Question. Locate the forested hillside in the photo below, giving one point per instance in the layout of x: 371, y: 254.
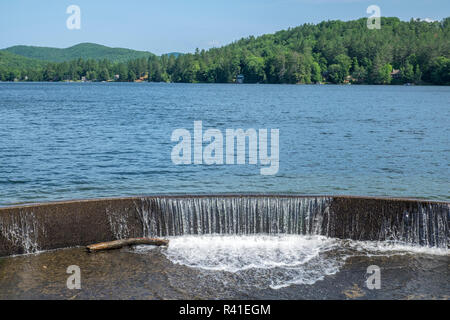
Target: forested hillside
x: 83, y: 50
x: 332, y: 51
x: 10, y: 61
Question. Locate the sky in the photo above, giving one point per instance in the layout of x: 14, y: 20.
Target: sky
x: 182, y: 25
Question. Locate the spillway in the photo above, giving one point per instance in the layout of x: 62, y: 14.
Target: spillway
x: 31, y: 228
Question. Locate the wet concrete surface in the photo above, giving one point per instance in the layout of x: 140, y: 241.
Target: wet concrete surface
x: 128, y: 274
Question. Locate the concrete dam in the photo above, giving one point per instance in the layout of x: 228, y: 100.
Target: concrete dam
x: 33, y: 228
x: 228, y: 247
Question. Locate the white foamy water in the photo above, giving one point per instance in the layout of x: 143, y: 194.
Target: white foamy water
x: 276, y: 261
x: 262, y: 260
x: 237, y: 253
x: 385, y: 248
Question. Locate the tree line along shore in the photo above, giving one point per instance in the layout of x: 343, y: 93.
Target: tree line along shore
x: 401, y: 52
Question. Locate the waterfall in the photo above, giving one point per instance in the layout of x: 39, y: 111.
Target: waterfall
x: 424, y: 224
x: 22, y: 231
x: 407, y: 221
x: 167, y: 216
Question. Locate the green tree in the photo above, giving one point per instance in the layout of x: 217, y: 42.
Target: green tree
x: 123, y: 72
x: 407, y: 73
x: 253, y: 69
x: 417, y: 75
x: 104, y: 75
x: 131, y: 75
x: 439, y: 71
x: 336, y: 73
x: 316, y: 74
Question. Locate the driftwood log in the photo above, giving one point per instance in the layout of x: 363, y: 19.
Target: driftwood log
x: 117, y: 244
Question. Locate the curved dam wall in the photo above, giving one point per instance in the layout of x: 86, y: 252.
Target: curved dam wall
x: 31, y: 228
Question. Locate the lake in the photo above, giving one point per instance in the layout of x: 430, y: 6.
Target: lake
x: 88, y: 140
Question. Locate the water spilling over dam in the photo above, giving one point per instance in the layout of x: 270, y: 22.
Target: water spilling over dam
x: 422, y: 224
x: 229, y: 246
x: 28, y: 229
x: 234, y: 215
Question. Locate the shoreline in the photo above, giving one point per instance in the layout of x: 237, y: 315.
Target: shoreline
x: 233, y: 83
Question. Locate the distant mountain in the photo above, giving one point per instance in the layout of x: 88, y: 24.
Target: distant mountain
x: 82, y: 50
x: 10, y: 60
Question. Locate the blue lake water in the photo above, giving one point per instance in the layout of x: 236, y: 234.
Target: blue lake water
x: 87, y: 140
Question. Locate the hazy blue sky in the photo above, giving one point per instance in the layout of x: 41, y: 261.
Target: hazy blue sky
x: 183, y: 25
